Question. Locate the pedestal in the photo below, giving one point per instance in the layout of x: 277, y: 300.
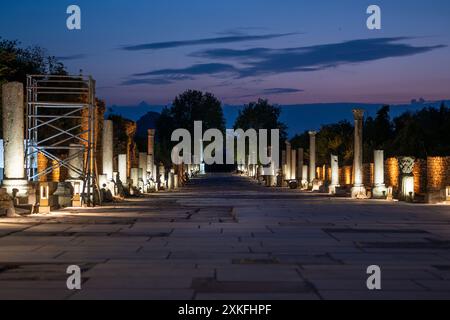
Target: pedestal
x: 359, y: 192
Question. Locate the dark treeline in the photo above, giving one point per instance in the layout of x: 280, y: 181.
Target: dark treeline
x: 419, y: 134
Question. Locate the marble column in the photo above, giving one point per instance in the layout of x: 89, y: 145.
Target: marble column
x: 358, y: 190
x: 293, y: 164
x: 288, y: 161
x: 300, y: 163
x: 171, y: 179
x: 202, y: 157
x: 135, y: 177
x: 143, y: 167
x: 304, y: 182
x: 151, y: 154
x: 283, y: 172
x: 162, y: 176
x: 123, y: 168
x: 108, y: 148
x: 312, y: 157
x: 13, y: 136
x: 76, y: 161
x: 334, y: 174
x: 379, y: 191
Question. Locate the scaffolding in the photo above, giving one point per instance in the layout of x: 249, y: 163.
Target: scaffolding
x: 60, y: 125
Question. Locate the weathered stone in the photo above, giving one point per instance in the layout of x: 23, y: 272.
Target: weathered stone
x: 358, y: 190
x: 312, y: 157
x: 379, y: 191
x: 334, y: 174
x: 108, y: 149
x: 13, y: 139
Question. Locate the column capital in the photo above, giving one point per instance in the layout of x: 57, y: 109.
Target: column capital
x: 312, y: 133
x: 358, y: 114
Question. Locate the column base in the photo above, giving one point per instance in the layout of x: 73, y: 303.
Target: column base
x: 380, y: 192
x: 20, y: 184
x: 316, y: 185
x: 359, y: 193
x: 332, y: 188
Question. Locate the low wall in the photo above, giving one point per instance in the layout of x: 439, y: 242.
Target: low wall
x: 430, y: 175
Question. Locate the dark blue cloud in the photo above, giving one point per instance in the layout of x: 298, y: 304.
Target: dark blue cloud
x: 217, y: 40
x: 271, y: 91
x: 257, y: 62
x: 263, y: 61
x: 197, y: 69
x: 72, y: 57
x: 132, y: 82
x: 167, y: 79
x: 280, y: 90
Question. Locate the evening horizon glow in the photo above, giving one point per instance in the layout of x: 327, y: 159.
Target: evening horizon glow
x: 240, y: 51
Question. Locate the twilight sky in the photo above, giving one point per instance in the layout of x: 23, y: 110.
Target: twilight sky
x: 290, y: 51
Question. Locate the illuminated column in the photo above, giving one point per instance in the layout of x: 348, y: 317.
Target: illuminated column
x: 283, y: 176
x: 13, y: 136
x: 143, y: 167
x: 300, y: 163
x: 151, y: 154
x: 334, y: 174
x: 202, y: 157
x: 108, y: 149
x: 379, y: 190
x: 358, y: 190
x: 135, y: 177
x: 288, y: 161
x: 76, y: 161
x: 312, y: 156
x: 123, y: 168
x: 171, y: 179
x: 293, y: 164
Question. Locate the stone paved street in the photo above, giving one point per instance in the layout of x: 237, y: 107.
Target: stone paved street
x: 225, y: 237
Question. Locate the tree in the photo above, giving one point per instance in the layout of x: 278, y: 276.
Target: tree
x: 16, y: 63
x: 261, y: 115
x: 377, y: 132
x: 187, y: 108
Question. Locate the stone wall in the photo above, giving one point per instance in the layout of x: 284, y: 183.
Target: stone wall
x: 368, y: 174
x: 438, y: 173
x: 391, y: 173
x: 420, y: 176
x: 346, y: 175
x: 431, y: 175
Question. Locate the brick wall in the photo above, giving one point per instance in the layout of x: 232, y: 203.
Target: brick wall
x: 438, y: 173
x: 368, y: 174
x: 391, y: 173
x: 420, y: 176
x: 430, y: 175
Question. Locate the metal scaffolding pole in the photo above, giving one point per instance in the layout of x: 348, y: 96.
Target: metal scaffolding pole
x: 60, y: 117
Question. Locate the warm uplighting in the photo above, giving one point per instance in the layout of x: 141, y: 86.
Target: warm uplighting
x: 77, y: 188
x: 408, y: 188
x: 393, y: 171
x: 348, y: 175
x: 436, y: 172
x: 44, y: 195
